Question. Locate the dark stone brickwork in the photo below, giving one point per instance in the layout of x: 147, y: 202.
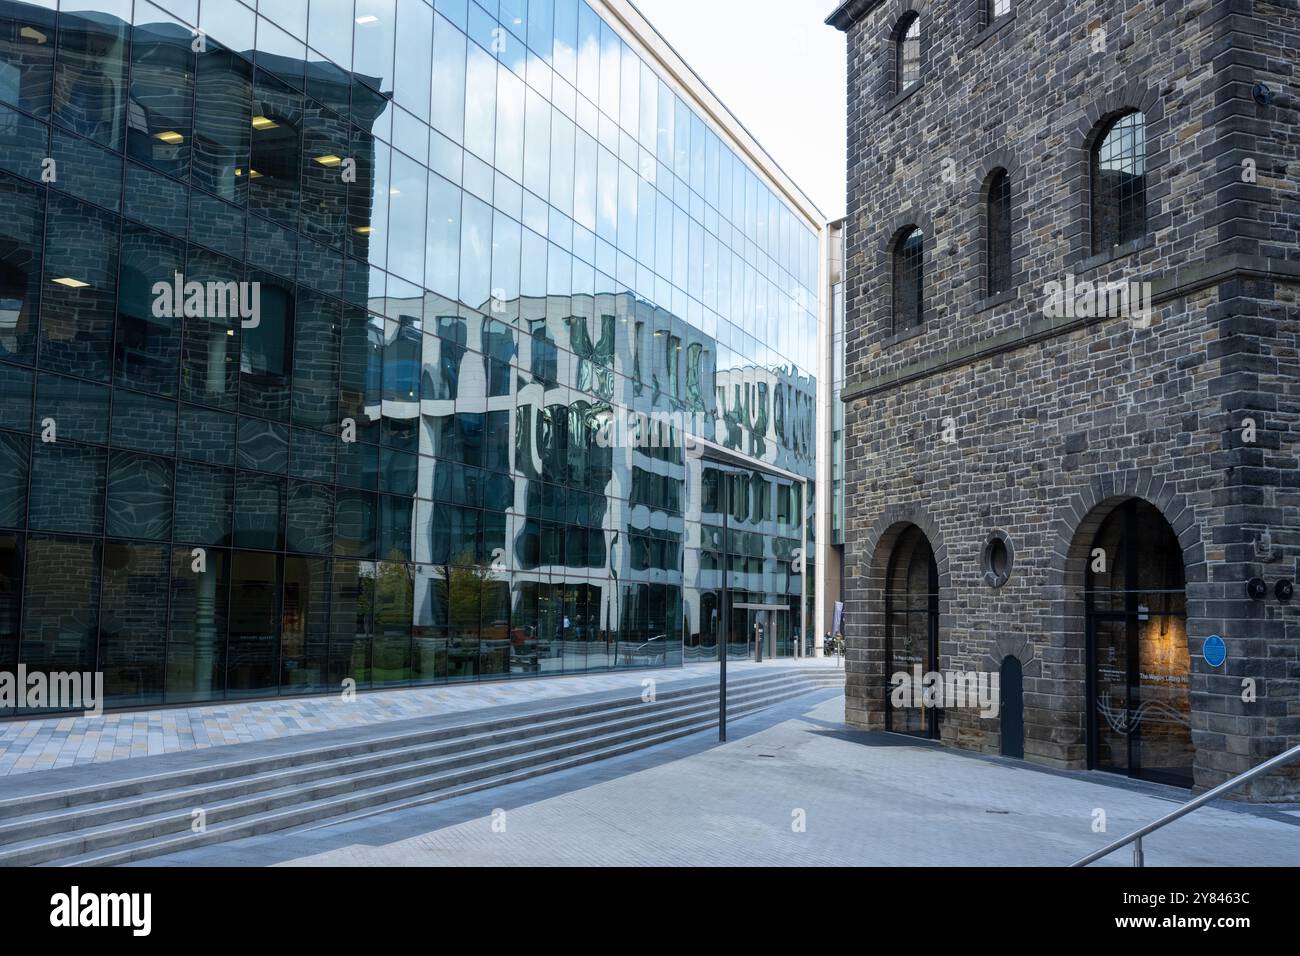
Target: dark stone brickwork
x: 1058, y: 420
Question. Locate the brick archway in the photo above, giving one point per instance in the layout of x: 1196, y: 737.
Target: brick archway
x: 1074, y: 529
x: 864, y: 636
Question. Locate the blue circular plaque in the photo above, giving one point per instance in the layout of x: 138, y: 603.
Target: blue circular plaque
x: 1215, y: 651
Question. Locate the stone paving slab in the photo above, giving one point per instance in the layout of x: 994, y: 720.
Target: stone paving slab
x: 869, y: 798
x: 59, y: 744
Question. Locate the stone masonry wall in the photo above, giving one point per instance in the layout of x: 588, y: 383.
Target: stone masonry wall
x: 1058, y: 420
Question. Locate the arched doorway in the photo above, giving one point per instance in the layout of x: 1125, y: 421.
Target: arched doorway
x: 1011, y: 707
x: 911, y: 627
x: 1138, y: 661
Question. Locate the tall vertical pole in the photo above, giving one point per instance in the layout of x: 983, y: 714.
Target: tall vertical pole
x: 725, y: 617
x: 803, y: 573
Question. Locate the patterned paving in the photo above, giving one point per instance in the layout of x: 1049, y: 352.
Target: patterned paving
x: 29, y: 745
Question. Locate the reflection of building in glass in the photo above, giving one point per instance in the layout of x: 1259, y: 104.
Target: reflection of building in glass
x: 475, y: 241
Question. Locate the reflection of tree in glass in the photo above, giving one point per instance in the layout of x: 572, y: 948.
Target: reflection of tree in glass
x: 394, y: 592
x: 470, y: 583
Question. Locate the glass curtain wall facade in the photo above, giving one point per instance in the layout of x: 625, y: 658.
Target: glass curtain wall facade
x: 500, y: 268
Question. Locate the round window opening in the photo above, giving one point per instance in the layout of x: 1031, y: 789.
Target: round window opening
x: 997, y: 560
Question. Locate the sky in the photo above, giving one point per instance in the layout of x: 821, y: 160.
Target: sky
x: 780, y: 70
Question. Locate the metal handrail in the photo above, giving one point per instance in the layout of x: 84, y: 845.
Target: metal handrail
x: 1286, y: 757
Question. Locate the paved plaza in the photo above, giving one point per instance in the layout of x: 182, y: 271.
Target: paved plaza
x: 865, y: 799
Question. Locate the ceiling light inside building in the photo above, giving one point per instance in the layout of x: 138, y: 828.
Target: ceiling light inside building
x: 264, y: 122
x: 70, y: 282
x: 170, y: 137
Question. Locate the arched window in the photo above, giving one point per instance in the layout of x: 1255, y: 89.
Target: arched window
x: 998, y: 224
x: 907, y: 59
x: 911, y: 627
x: 1119, y: 185
x: 1139, y: 666
x: 908, y: 279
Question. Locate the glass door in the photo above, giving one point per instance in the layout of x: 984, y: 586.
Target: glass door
x: 778, y: 634
x: 1110, y: 693
x: 911, y: 633
x: 1139, y: 665
x: 1162, y: 741
x: 773, y: 635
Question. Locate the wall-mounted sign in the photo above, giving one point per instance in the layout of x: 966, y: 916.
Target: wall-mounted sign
x: 1215, y: 651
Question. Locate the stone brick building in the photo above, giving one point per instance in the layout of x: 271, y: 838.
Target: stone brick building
x: 1074, y: 489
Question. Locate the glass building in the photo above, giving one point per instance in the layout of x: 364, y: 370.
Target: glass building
x: 503, y: 257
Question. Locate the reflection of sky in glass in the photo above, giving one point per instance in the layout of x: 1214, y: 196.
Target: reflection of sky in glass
x: 562, y: 242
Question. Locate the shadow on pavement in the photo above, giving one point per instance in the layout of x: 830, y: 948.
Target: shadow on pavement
x: 392, y: 826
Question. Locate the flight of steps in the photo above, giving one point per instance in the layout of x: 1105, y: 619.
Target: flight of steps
x: 148, y: 816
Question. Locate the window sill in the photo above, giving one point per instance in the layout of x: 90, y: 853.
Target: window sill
x: 897, y: 338
x: 993, y: 301
x: 997, y: 26
x: 898, y: 98
x: 1099, y: 259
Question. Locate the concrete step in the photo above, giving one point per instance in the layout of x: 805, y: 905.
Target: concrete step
x: 397, y: 757
x: 423, y: 790
x: 412, y: 793
x: 31, y: 804
x: 142, y: 817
